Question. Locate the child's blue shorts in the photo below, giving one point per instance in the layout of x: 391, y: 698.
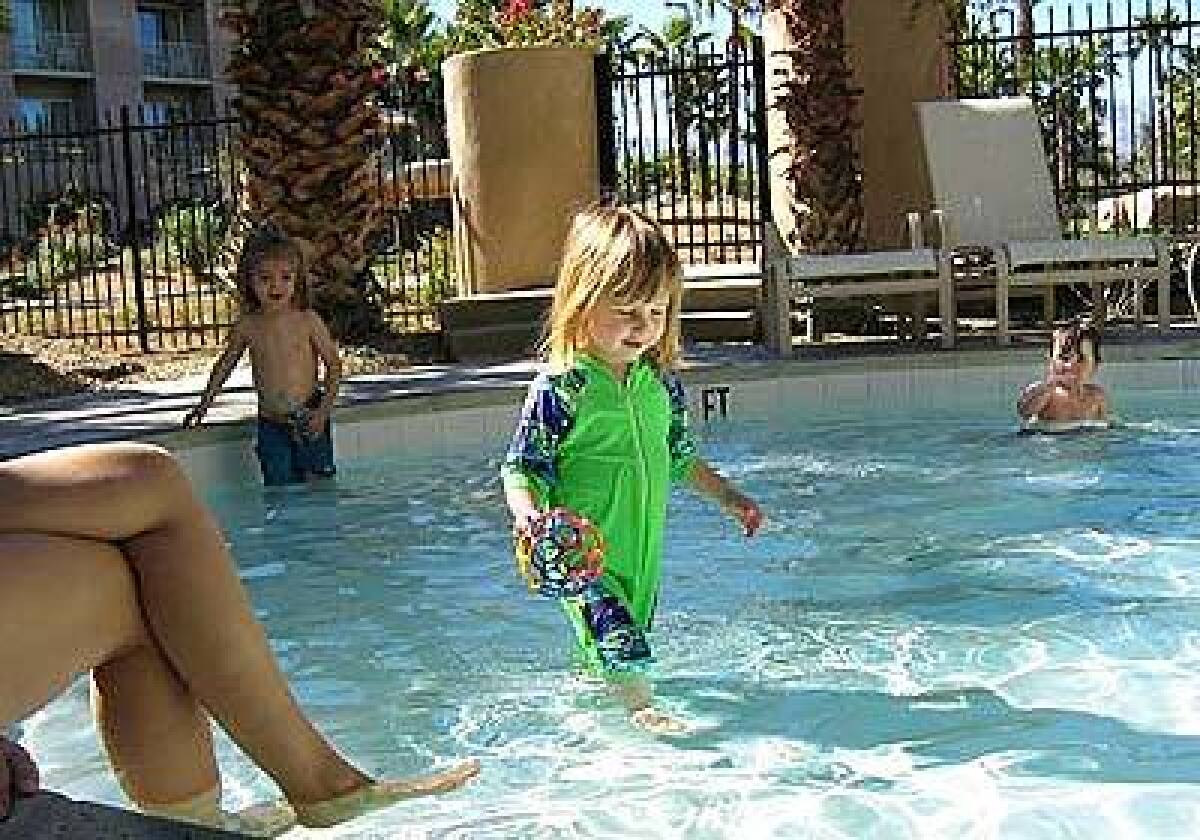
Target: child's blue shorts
x: 288, y: 455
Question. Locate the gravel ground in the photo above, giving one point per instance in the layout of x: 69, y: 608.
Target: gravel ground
x: 37, y: 368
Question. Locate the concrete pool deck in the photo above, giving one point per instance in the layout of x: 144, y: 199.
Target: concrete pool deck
x: 153, y: 410
x: 50, y: 816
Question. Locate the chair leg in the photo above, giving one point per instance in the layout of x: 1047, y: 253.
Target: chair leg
x: 1099, y: 303
x: 1002, y: 286
x: 920, y: 326
x: 1048, y: 310
x: 946, y: 303
x: 1139, y: 304
x: 776, y: 309
x: 1163, y: 276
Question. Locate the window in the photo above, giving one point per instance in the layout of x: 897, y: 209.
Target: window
x: 164, y: 111
x: 160, y: 26
x: 46, y: 114
x: 34, y: 18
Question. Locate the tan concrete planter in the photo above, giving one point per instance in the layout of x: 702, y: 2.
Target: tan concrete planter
x: 522, y: 136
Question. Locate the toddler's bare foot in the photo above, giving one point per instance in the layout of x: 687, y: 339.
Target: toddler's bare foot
x: 380, y: 794
x: 657, y: 723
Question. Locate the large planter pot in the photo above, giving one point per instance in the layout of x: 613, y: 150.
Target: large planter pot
x: 521, y: 125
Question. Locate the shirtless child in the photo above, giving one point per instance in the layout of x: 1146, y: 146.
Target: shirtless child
x: 286, y: 339
x: 1067, y: 395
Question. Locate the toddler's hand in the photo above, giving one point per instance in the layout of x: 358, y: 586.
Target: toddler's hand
x: 745, y: 510
x: 317, y: 422
x: 525, y: 520
x: 18, y: 774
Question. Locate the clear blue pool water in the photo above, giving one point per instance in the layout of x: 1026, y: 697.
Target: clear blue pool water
x: 947, y: 630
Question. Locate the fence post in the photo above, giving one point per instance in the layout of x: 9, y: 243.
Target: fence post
x: 139, y: 286
x: 762, y: 152
x: 606, y: 128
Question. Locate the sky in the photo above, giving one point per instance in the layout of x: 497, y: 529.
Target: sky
x: 652, y: 13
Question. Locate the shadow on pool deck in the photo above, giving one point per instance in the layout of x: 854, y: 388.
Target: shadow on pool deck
x: 49, y: 816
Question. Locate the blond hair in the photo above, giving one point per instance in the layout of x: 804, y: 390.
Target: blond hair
x: 620, y: 253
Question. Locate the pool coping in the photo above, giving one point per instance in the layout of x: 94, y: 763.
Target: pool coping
x: 153, y: 411
x: 52, y: 816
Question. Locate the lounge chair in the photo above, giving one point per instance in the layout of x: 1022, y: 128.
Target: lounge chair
x: 992, y: 188
x: 794, y: 282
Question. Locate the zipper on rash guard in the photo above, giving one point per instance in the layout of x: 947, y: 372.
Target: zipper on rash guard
x: 626, y: 395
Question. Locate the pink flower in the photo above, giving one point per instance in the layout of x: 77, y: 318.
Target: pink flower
x: 516, y: 10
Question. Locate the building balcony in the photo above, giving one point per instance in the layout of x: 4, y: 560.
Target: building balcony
x: 54, y: 51
x: 175, y: 60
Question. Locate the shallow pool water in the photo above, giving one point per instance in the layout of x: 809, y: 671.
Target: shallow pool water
x: 946, y: 630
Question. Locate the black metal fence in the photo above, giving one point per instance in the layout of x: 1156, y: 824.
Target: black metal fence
x: 107, y: 234
x: 1115, y: 88
x: 684, y: 127
x: 122, y: 234
x: 414, y: 251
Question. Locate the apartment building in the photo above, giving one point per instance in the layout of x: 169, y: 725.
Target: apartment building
x: 68, y: 63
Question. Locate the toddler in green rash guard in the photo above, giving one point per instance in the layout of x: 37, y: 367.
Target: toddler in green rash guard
x: 604, y: 433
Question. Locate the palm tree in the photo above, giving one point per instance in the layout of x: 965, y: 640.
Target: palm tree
x: 818, y: 105
x: 410, y: 35
x: 306, y: 80
x: 739, y: 12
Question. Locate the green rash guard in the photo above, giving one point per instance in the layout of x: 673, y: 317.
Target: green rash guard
x: 608, y: 450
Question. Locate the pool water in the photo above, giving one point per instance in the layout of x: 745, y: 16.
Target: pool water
x: 946, y: 630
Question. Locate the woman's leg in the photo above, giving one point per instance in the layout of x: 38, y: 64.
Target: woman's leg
x: 73, y: 606
x: 194, y: 604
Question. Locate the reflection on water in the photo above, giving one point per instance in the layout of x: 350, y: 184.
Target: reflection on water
x: 946, y: 630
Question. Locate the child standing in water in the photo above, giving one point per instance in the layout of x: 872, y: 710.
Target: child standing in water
x: 604, y: 433
x: 286, y: 340
x: 1067, y: 397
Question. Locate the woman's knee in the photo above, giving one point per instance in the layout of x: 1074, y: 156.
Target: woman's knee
x: 148, y: 463
x: 154, y: 471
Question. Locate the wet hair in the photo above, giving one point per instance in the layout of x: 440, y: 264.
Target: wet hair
x: 265, y: 243
x: 1075, y: 334
x: 620, y: 253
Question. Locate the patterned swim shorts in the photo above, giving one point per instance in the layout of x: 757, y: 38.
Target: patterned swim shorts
x: 620, y: 643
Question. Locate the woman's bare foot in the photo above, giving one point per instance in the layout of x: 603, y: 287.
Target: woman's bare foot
x: 269, y: 819
x: 380, y: 794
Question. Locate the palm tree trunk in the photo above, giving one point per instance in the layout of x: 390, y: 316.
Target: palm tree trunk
x: 818, y: 106
x: 306, y: 102
x: 1025, y: 46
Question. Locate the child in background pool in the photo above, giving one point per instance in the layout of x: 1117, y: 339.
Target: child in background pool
x: 286, y: 340
x: 1067, y: 395
x: 604, y: 433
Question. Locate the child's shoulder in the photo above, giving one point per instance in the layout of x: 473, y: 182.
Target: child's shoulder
x: 569, y: 381
x: 670, y: 379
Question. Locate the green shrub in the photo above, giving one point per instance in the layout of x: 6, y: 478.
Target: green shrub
x: 194, y: 233
x: 64, y: 256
